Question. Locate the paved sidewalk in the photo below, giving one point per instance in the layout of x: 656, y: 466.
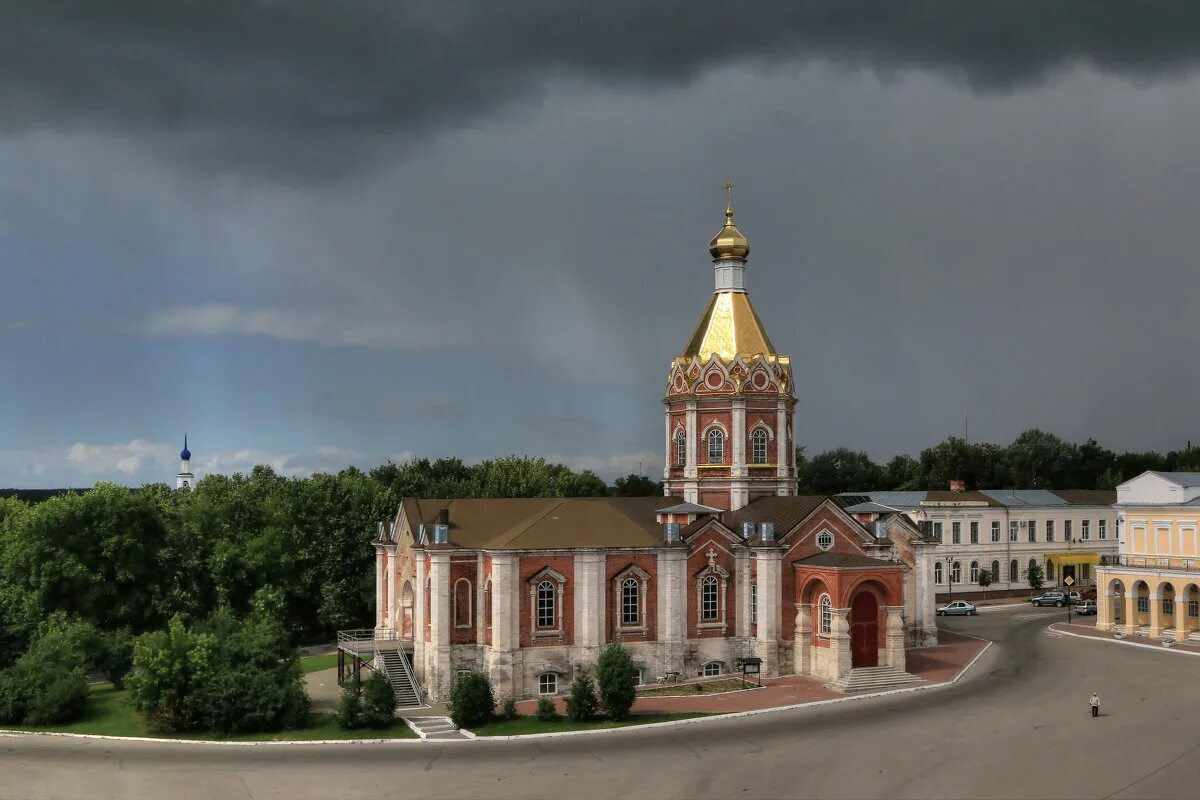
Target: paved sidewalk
x: 938, y: 664
x: 1089, y: 630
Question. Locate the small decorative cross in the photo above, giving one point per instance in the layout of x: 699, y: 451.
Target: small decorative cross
x: 729, y: 193
x: 712, y: 556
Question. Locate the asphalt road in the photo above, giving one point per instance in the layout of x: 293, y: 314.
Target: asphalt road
x: 1019, y: 726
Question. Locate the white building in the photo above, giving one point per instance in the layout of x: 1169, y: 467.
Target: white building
x: 185, y: 479
x: 1004, y: 531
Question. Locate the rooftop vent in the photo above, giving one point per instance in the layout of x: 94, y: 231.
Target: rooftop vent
x: 444, y: 516
x: 422, y: 533
x: 958, y: 486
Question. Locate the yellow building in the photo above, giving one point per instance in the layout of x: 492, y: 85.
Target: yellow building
x: 1154, y: 588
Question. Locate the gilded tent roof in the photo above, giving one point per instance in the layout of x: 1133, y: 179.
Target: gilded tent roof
x: 729, y: 327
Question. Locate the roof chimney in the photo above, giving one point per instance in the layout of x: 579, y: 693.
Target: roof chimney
x: 444, y: 516
x: 958, y: 486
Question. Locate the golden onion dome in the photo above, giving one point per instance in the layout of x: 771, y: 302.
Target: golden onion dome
x: 729, y: 241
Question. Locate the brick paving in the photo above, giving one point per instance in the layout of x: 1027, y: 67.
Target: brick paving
x: 937, y: 664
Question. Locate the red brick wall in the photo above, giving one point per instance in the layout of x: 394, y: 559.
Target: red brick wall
x: 697, y: 561
x: 463, y: 570
x: 715, y: 498
x: 614, y: 565
x: 803, y: 543
x: 531, y: 565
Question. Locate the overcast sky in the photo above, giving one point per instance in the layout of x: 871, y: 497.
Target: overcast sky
x: 314, y: 234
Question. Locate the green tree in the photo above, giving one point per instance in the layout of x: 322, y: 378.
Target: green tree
x: 616, y: 679
x: 902, y: 473
x: 985, y: 579
x: 349, y: 712
x: 842, y: 470
x: 472, y: 702
x: 636, y: 486
x: 581, y: 702
x: 1040, y: 460
x: 1034, y: 576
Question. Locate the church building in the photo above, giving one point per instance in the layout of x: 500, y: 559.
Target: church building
x: 729, y: 565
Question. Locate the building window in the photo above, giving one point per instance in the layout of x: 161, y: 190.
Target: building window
x: 1168, y: 606
x: 995, y: 575
x: 1050, y: 570
x: 825, y: 540
x: 545, y: 605
x: 956, y: 572
x: 754, y: 604
x: 1085, y: 529
x: 937, y: 572
x: 1014, y: 572
x: 1102, y: 531
x: 641, y: 677
x: 937, y: 531
x: 708, y: 599
x: 547, y: 683
x: 826, y: 606
x: 1049, y: 531
x: 711, y: 669
x: 1067, y: 530
x: 716, y: 446
x: 1032, y: 532
x: 995, y: 531
x: 1012, y: 531
x: 680, y: 448
x: 758, y: 446
x: 956, y: 533
x: 462, y: 603
x: 974, y: 533
x: 974, y: 572
x: 1194, y: 608
x: 1143, y: 604
x: 630, y: 602
x: 1087, y: 572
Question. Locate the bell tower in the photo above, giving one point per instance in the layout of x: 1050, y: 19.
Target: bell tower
x: 729, y: 399
x: 185, y: 479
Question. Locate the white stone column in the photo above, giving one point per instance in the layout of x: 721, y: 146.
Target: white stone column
x: 768, y: 561
x: 782, y: 457
x: 393, y: 602
x: 589, y: 593
x: 893, y: 637
x: 802, y: 651
x: 737, y: 467
x: 691, y: 421
x: 670, y: 455
x: 380, y: 577
x: 506, y: 627
x: 672, y: 607
x: 1181, y: 631
x: 420, y: 652
x: 480, y: 601
x: 741, y: 571
x: 841, y: 656
x: 439, y: 618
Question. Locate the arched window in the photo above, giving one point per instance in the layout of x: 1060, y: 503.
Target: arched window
x: 937, y: 572
x: 1049, y: 570
x: 680, y: 447
x: 487, y: 603
x: 630, y: 602
x: 1032, y: 565
x: 956, y: 572
x: 711, y: 669
x: 546, y: 616
x: 974, y: 572
x: 1014, y: 572
x: 709, y: 599
x: 826, y: 606
x: 995, y: 576
x: 716, y: 446
x: 462, y: 603
x: 758, y: 446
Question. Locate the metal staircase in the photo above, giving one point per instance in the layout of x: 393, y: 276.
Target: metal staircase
x: 393, y: 663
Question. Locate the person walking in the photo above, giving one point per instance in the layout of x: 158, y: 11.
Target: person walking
x: 1094, y: 702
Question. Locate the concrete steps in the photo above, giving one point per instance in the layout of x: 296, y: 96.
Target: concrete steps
x: 434, y: 728
x: 875, y: 679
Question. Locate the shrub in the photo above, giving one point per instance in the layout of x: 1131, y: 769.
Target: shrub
x: 116, y: 658
x: 616, y: 675
x: 581, y: 703
x: 350, y: 710
x: 59, y: 695
x: 508, y: 710
x: 471, y: 700
x: 47, y: 685
x: 378, y: 701
x: 545, y: 710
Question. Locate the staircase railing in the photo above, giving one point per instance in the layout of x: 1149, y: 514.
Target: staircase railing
x: 381, y: 665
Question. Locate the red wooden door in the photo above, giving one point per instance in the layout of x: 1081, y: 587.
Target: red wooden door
x: 864, y: 631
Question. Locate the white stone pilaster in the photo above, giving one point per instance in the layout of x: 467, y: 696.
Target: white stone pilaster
x: 690, y: 470
x: 420, y: 612
x: 439, y: 619
x: 379, y: 584
x: 393, y: 602
x: 672, y: 607
x: 782, y: 458
x: 768, y: 561
x: 737, y: 467
x: 589, y: 595
x: 893, y: 655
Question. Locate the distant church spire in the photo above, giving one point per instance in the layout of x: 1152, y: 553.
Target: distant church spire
x: 185, y: 479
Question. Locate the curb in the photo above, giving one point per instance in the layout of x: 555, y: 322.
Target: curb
x: 527, y: 736
x: 1158, y: 648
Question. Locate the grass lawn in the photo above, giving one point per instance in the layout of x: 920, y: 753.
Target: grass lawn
x: 701, y: 688
x: 318, y: 663
x: 109, y: 714
x: 524, y: 725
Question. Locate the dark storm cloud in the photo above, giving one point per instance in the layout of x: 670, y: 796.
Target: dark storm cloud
x: 305, y: 87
